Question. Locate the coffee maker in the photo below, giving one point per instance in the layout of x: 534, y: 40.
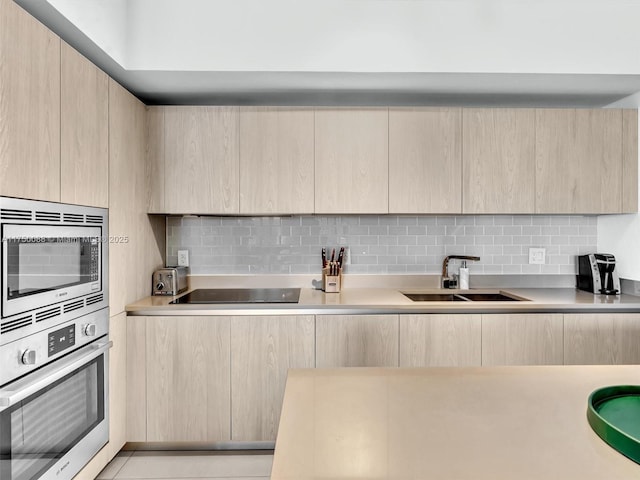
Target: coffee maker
x: 597, y: 274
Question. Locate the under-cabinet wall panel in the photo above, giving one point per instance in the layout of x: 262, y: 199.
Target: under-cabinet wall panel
x: 352, y: 160
x: 602, y: 339
x: 522, y: 339
x: 201, y: 147
x: 84, y: 131
x: 29, y: 106
x: 425, y: 160
x: 440, y: 340
x: 578, y: 161
x: 188, y: 379
x: 263, y: 349
x: 357, y: 341
x: 276, y: 160
x: 498, y: 160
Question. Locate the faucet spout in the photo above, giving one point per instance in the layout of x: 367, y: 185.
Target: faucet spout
x: 446, y: 281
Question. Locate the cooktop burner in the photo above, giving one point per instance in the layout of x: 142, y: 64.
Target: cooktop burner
x: 240, y: 295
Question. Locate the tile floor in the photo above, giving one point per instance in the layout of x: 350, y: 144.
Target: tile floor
x: 187, y: 465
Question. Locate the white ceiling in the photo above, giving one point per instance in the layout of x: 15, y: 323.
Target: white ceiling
x: 359, y: 52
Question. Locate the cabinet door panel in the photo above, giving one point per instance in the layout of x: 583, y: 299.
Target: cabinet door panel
x: 136, y: 379
x: 602, y: 339
x: 84, y: 124
x: 155, y: 157
x: 357, y: 341
x: 262, y: 350
x: 201, y: 160
x: 522, y: 339
x: 425, y: 161
x: 352, y: 160
x: 118, y: 383
x: 578, y: 161
x: 440, y: 340
x: 498, y: 160
x: 29, y: 106
x: 188, y: 379
x: 276, y: 160
x: 629, y: 161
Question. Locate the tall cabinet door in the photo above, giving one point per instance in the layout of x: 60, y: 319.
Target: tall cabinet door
x: 276, y: 160
x: 84, y: 134
x: 263, y: 349
x: 188, y: 369
x: 29, y: 106
x: 498, y: 160
x: 356, y: 341
x: 578, y: 161
x: 201, y: 146
x: 425, y: 160
x: 352, y: 160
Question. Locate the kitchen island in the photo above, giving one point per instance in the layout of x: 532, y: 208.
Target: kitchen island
x: 447, y: 423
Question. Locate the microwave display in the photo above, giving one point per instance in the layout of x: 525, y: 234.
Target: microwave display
x: 36, y: 265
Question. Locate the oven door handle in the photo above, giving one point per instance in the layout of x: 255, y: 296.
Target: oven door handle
x: 50, y: 373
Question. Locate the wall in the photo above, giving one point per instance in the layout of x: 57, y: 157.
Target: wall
x: 620, y: 234
x: 379, y: 244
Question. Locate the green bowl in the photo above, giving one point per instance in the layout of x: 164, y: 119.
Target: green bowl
x: 614, y: 414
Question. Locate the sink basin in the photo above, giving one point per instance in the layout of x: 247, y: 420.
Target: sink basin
x: 463, y: 297
x: 491, y: 297
x: 435, y: 297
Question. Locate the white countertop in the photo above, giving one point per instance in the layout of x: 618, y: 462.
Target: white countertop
x: 493, y: 423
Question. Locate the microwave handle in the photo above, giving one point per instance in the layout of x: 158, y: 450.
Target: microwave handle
x: 46, y: 376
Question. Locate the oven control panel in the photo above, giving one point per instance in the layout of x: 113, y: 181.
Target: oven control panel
x: 28, y: 353
x: 62, y: 339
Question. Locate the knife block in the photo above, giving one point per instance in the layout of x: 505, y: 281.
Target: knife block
x: 331, y: 283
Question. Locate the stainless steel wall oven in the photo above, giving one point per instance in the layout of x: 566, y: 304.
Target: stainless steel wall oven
x: 54, y: 343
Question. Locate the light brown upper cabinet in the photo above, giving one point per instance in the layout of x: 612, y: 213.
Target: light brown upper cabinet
x: 201, y: 164
x: 498, y: 160
x: 29, y: 106
x: 579, y: 161
x: 84, y: 130
x: 425, y: 160
x: 276, y: 160
x: 629, y: 161
x: 154, y: 152
x: 352, y: 160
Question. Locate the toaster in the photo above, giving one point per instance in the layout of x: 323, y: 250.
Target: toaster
x: 169, y: 281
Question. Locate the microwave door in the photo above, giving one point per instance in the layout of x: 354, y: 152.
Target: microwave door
x: 45, y: 265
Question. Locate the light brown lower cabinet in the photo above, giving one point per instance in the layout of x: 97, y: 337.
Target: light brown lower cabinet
x: 188, y: 379
x: 357, y: 341
x: 440, y: 340
x: 522, y: 339
x: 263, y: 349
x: 602, y: 339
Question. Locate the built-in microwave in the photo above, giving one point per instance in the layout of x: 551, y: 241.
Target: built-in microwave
x: 54, y: 264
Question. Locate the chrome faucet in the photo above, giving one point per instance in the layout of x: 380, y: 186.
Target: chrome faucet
x: 451, y: 282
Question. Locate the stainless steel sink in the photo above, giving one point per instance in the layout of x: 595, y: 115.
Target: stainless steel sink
x: 463, y: 297
x: 435, y: 297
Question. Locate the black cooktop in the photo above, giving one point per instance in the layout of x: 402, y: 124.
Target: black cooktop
x: 240, y: 295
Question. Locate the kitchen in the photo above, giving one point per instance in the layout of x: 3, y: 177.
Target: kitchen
x: 107, y: 149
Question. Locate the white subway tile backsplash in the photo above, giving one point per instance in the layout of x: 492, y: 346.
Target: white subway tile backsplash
x: 380, y: 244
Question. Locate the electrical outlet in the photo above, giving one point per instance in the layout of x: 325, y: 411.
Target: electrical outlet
x: 537, y: 256
x: 183, y: 258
